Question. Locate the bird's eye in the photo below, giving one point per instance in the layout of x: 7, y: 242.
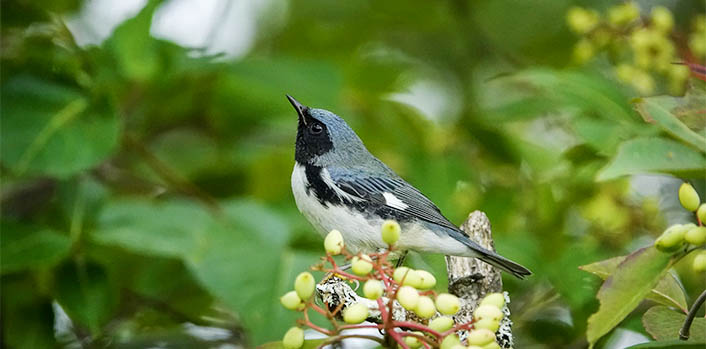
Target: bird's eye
x: 316, y: 128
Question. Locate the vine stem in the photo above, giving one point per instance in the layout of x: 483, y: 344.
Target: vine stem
x: 684, y: 331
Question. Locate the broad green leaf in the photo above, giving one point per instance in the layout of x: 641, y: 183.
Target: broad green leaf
x: 30, y: 247
x: 168, y: 229
x: 668, y: 290
x: 134, y: 49
x: 602, y: 135
x: 663, y: 323
x: 86, y: 294
x: 670, y: 344
x: 653, y: 155
x: 51, y: 129
x: 659, y: 109
x: 632, y: 281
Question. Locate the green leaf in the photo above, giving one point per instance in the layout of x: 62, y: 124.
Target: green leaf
x: 632, y: 281
x: 87, y: 296
x: 653, y: 155
x: 135, y: 50
x: 50, y: 129
x: 663, y: 323
x: 658, y: 109
x: 31, y: 247
x: 668, y: 290
x: 671, y: 344
x: 28, y: 317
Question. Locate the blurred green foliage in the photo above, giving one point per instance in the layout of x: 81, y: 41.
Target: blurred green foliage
x: 146, y: 188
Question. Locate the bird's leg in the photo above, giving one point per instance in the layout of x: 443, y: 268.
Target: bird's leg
x: 400, y: 261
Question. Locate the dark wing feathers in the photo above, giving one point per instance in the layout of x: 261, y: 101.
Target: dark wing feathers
x: 371, y: 189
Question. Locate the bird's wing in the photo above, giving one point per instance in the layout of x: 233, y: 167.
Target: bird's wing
x: 389, y: 193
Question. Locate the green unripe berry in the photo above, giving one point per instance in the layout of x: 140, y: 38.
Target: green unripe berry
x: 662, y: 19
x: 291, y: 301
x: 701, y: 213
x: 362, y: 265
x: 441, y: 324
x: 447, y: 304
x: 427, y: 279
x: 472, y: 347
x: 496, y: 299
x: 491, y: 345
x: 450, y: 341
x: 400, y: 274
x: 293, y: 339
x: 488, y: 311
x: 581, y: 20
x: 355, y: 313
x: 390, y: 232
x: 583, y: 51
x: 488, y: 324
x: 625, y: 72
x: 699, y: 263
x: 695, y: 236
x: 413, y: 342
x: 425, y: 307
x: 413, y: 279
x: 372, y: 289
x: 623, y: 14
x: 672, y: 239
x: 333, y: 243
x: 480, y: 336
x: 688, y: 197
x: 304, y: 285
x: 408, y: 297
x: 461, y: 346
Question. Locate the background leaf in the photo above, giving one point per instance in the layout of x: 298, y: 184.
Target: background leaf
x: 625, y: 289
x: 663, y: 323
x: 658, y: 109
x: 31, y: 247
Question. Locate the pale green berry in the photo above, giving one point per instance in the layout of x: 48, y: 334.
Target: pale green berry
x: 334, y: 242
x: 400, y: 273
x: 362, y: 265
x: 688, y: 197
x: 450, y: 341
x: 304, y: 285
x: 643, y: 82
x: 390, y: 232
x: 355, y: 313
x: 461, y: 346
x: 425, y: 307
x: 291, y: 301
x: 625, y: 72
x: 487, y: 323
x: 623, y: 14
x: 488, y: 311
x: 447, y: 304
x: 408, y: 297
x: 473, y: 347
x: 293, y: 339
x: 695, y: 236
x: 701, y: 213
x: 372, y: 289
x: 480, y: 336
x: 491, y: 345
x: 662, y: 19
x: 413, y: 279
x: 427, y: 279
x: 672, y: 239
x: 583, y: 51
x: 699, y: 263
x: 413, y: 342
x: 581, y: 20
x: 496, y: 299
x: 441, y: 324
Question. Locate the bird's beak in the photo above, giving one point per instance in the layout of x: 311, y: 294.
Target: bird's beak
x: 301, y: 109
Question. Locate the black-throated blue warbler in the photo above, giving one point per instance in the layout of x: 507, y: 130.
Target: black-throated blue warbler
x: 338, y: 184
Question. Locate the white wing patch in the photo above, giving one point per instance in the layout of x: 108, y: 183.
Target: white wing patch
x: 326, y: 177
x: 392, y: 201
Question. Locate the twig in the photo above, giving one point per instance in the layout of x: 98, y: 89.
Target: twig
x: 684, y: 331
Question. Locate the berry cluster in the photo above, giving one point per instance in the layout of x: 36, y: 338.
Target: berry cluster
x: 642, y: 47
x: 678, y: 236
x: 434, y: 326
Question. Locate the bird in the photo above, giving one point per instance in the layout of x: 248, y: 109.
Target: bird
x: 338, y: 184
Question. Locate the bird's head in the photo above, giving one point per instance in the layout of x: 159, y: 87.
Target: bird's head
x: 324, y: 139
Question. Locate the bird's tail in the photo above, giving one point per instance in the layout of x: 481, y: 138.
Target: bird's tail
x: 504, y: 264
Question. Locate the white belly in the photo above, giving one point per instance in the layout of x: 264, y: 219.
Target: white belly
x: 363, y: 235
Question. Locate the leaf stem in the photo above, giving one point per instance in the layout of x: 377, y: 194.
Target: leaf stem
x: 684, y: 331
